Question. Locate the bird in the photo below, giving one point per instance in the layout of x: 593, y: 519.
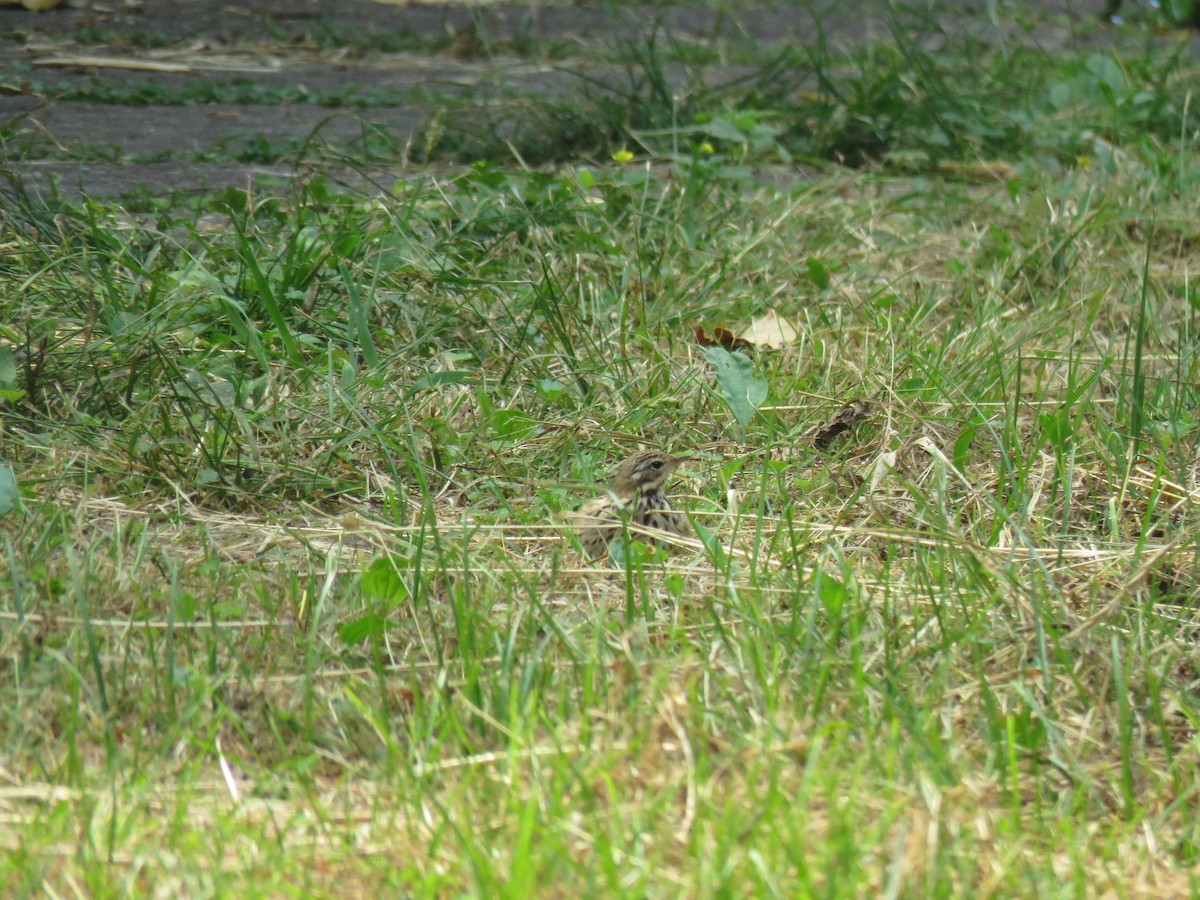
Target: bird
x: 635, y: 500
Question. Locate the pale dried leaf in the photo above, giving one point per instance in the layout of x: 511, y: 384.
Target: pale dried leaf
x: 770, y: 331
x: 883, y: 466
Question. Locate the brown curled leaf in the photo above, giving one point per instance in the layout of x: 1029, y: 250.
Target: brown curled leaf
x: 722, y: 337
x: 847, y: 416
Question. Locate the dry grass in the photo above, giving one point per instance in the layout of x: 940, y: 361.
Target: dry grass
x: 292, y: 607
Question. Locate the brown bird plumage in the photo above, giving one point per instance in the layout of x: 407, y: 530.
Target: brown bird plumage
x: 637, y: 498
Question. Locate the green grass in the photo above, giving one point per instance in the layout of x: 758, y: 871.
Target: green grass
x: 290, y: 607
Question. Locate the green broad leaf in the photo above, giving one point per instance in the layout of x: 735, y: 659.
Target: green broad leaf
x: 185, y: 607
x: 818, y: 273
x: 226, y: 612
x: 9, y: 492
x: 962, y: 447
x: 1057, y: 428
x: 625, y: 553
x: 832, y: 592
x: 437, y: 379
x: 363, y: 628
x: 724, y: 130
x: 551, y: 388
x: 744, y: 390
x: 381, y: 581
x: 512, y: 424
x: 712, y: 546
x: 8, y: 368
x: 617, y: 551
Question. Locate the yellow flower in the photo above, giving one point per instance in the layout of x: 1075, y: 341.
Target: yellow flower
x: 707, y: 149
x: 622, y: 156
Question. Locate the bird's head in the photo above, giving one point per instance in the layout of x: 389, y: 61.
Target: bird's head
x: 646, y: 470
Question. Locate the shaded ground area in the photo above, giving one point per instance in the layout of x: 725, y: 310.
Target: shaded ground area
x: 189, y: 95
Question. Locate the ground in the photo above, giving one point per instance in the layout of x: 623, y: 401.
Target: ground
x: 296, y: 69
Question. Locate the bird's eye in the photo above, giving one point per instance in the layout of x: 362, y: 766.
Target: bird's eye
x: 656, y: 465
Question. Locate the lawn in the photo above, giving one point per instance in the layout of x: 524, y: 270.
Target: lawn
x: 291, y: 604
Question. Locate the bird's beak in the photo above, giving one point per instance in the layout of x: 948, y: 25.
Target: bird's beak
x: 677, y: 461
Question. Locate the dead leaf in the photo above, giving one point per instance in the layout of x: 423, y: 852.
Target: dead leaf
x: 770, y: 331
x: 849, y: 415
x: 884, y: 464
x: 722, y: 337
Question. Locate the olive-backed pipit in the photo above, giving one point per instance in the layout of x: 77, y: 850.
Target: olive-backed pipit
x: 637, y: 499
